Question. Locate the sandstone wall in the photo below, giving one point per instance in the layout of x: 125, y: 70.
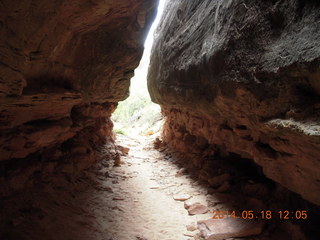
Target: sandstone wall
x: 64, y: 65
x: 242, y: 77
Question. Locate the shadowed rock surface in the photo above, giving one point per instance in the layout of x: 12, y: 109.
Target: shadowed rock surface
x: 238, y: 82
x: 64, y: 66
x: 242, y: 77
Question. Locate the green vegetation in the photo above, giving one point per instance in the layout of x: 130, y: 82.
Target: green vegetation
x: 137, y: 114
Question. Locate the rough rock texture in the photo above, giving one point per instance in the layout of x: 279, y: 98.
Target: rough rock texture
x: 219, y: 229
x: 242, y: 77
x: 64, y: 65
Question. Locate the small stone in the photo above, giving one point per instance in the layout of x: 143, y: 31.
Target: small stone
x: 118, y: 198
x: 123, y: 150
x: 150, y: 132
x: 203, y: 176
x: 188, y: 234
x: 188, y: 203
x: 197, y: 208
x: 157, y: 143
x: 225, y: 187
x: 103, y: 188
x: 191, y: 227
x: 105, y: 164
x: 219, y: 180
x: 117, y: 160
x: 181, y: 172
x: 197, y: 237
x: 140, y: 237
x: 219, y: 229
x: 182, y: 197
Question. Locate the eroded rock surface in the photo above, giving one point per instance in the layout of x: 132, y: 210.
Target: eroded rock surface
x: 213, y: 229
x: 242, y: 77
x: 64, y: 66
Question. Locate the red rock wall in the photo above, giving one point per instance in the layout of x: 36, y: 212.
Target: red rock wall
x: 243, y: 77
x: 63, y: 67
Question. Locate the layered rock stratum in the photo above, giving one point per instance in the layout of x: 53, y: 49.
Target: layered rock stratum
x: 64, y: 66
x: 241, y: 79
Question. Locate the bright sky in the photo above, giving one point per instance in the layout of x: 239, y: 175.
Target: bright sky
x: 149, y: 40
x: 139, y: 81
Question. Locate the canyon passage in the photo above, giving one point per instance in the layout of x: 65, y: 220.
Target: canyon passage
x: 237, y: 155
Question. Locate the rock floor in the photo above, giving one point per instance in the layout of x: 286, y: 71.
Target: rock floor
x: 137, y: 200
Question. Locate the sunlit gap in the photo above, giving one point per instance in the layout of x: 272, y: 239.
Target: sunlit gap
x: 137, y: 115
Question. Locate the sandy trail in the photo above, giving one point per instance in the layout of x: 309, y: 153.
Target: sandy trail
x: 145, y: 185
x: 132, y: 201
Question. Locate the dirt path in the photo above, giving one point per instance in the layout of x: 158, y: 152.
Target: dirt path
x: 132, y: 201
x: 144, y: 185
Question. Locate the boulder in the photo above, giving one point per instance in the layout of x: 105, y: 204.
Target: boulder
x: 244, y: 76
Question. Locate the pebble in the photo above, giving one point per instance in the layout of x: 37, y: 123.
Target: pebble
x: 225, y: 187
x: 197, y: 208
x: 118, y: 198
x: 188, y: 234
x: 191, y: 227
x: 188, y: 203
x: 219, y: 180
x: 182, y: 197
x: 123, y: 150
